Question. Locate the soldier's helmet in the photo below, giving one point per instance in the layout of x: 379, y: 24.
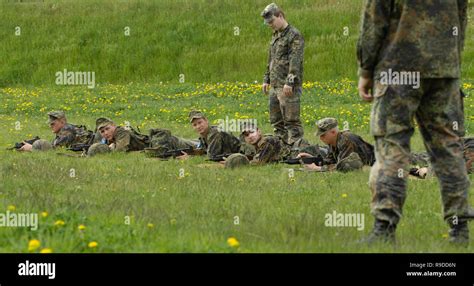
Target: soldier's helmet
x: 41, y: 145
x: 97, y: 148
x: 236, y: 160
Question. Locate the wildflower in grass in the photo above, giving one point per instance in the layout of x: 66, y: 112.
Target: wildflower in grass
x: 344, y: 196
x: 150, y: 225
x: 33, y: 244
x: 46, y: 250
x: 59, y: 223
x: 44, y: 214
x: 81, y: 227
x: 233, y: 242
x: 11, y: 208
x: 92, y: 244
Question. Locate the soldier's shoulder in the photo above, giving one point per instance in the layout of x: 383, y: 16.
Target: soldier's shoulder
x: 294, y: 31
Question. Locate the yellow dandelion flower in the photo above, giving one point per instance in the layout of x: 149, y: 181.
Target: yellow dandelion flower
x: 344, y: 196
x: 445, y: 235
x: 46, y: 250
x: 33, y: 244
x: 11, y: 208
x: 59, y: 223
x: 81, y: 227
x: 150, y: 225
x: 233, y: 242
x: 92, y: 244
x: 44, y: 214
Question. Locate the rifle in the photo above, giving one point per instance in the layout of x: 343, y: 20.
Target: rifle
x: 219, y: 158
x: 179, y: 152
x: 318, y: 160
x: 18, y: 145
x: 79, y: 147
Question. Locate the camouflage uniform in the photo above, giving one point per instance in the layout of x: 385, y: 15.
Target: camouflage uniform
x: 72, y: 134
x: 468, y: 144
x: 163, y: 138
x: 125, y: 139
x: 219, y: 142
x: 216, y: 142
x: 68, y: 135
x: 285, y: 66
x: 416, y: 36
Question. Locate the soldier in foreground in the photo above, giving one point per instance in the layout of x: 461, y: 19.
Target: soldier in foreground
x: 284, y: 75
x: 424, y: 38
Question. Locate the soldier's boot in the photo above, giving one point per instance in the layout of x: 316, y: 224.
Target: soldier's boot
x: 383, y: 232
x: 459, y: 233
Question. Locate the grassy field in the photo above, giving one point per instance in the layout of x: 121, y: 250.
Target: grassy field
x: 196, y: 212
x: 195, y: 38
x: 130, y: 203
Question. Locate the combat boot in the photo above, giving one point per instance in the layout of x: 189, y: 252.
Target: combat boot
x: 383, y: 232
x: 459, y: 233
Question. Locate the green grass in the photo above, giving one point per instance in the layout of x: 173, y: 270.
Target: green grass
x: 168, y: 38
x: 195, y: 213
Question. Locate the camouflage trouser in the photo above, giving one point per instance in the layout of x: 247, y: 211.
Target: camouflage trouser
x: 437, y: 106
x: 163, y: 138
x: 285, y: 114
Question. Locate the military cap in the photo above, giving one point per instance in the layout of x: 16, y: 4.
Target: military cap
x: 195, y: 114
x: 103, y: 122
x: 325, y: 124
x: 269, y: 12
x: 53, y: 115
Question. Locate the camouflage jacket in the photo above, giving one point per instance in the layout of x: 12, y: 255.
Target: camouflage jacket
x: 270, y: 149
x: 72, y: 134
x: 285, y: 58
x: 219, y: 143
x: 348, y: 143
x: 412, y: 35
x: 126, y: 140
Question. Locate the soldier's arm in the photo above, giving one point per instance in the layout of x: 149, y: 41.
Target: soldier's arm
x: 122, y: 141
x: 65, y: 138
x: 215, y: 146
x: 296, y: 54
x: 267, y: 155
x: 266, y: 76
x: 347, y: 148
x: 462, y: 8
x: 374, y: 28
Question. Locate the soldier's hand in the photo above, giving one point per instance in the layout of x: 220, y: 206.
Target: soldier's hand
x: 26, y: 147
x: 265, y: 88
x: 365, y: 88
x: 185, y: 156
x: 304, y: 155
x: 312, y: 167
x: 287, y: 90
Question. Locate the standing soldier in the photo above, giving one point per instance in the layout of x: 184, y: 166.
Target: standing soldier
x: 284, y: 75
x: 424, y: 38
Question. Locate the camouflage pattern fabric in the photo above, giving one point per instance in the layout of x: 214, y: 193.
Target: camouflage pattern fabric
x: 219, y: 142
x: 126, y: 140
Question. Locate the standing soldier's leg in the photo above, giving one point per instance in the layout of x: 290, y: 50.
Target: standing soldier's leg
x: 392, y: 127
x: 440, y: 132
x: 276, y: 116
x: 290, y: 106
